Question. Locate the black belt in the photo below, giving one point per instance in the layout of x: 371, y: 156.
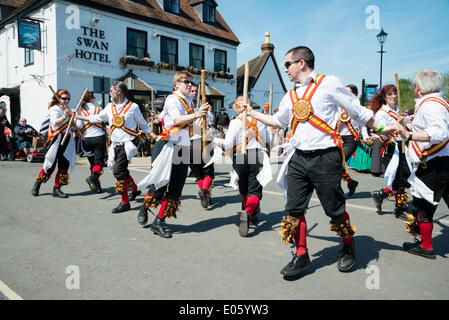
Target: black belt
x: 316, y: 152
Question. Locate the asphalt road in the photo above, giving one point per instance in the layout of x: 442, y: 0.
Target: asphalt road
x: 76, y: 248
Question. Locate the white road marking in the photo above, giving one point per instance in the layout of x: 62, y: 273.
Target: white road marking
x: 8, y: 292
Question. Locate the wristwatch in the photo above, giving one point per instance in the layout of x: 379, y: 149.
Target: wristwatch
x: 410, y: 136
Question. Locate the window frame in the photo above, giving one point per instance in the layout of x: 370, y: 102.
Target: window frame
x: 145, y: 34
x: 169, y: 4
x: 28, y: 53
x: 225, y: 58
x: 191, y: 45
x: 177, y: 49
x: 210, y: 8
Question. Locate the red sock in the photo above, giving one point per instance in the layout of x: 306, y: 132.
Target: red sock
x: 58, y: 174
x: 41, y: 172
x: 387, y: 190
x: 162, y: 209
x: 207, y: 182
x: 134, y: 188
x: 301, y: 237
x: 251, y: 204
x: 125, y: 198
x: 200, y: 184
x: 425, y: 229
x: 347, y: 240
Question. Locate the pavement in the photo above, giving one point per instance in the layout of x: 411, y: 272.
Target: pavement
x: 75, y: 248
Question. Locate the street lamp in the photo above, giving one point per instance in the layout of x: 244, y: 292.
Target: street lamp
x: 381, y: 37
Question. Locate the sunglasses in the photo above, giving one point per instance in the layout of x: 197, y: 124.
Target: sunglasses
x: 65, y: 98
x: 289, y: 63
x: 187, y: 82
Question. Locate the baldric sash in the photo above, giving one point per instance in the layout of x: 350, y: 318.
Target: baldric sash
x: 118, y: 121
x: 250, y: 125
x: 166, y: 133
x: 388, y: 141
x: 422, y: 155
x: 344, y: 118
x: 89, y: 124
x: 303, y: 112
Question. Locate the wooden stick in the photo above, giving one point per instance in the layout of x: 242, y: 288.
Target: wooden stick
x: 57, y: 97
x: 400, y: 108
x: 203, y: 101
x: 271, y: 99
x: 245, y: 100
x: 73, y: 116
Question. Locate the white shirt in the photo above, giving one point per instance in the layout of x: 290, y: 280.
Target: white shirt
x: 330, y: 95
x: 344, y: 131
x: 385, y: 119
x: 55, y: 113
x: 173, y: 108
x: 133, y: 118
x: 92, y: 131
x: 234, y: 135
x: 433, y: 118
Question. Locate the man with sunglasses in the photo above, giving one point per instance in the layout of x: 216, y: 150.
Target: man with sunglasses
x: 171, y: 156
x: 314, y: 158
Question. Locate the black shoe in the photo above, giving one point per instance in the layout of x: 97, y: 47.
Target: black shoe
x: 244, y: 224
x: 92, y: 182
x: 203, y: 198
x: 36, y: 187
x: 352, y: 186
x: 98, y: 186
x: 415, y: 248
x: 158, y: 227
x: 121, y: 208
x: 401, y: 213
x: 134, y: 195
x: 346, y: 257
x: 297, y: 265
x: 58, y: 193
x: 142, y: 217
x: 378, y: 197
x: 253, y: 220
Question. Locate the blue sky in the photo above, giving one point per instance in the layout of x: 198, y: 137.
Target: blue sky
x: 337, y: 33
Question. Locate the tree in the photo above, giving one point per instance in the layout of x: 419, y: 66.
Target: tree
x: 445, y: 86
x: 407, y: 90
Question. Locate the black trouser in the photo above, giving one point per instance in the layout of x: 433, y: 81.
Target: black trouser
x: 247, y: 168
x: 178, y: 172
x: 61, y: 161
x: 436, y: 178
x: 349, y: 145
x: 97, y: 146
x: 3, y: 146
x: 197, y: 162
x: 402, y: 172
x: 120, y: 170
x: 320, y: 171
x: 377, y: 166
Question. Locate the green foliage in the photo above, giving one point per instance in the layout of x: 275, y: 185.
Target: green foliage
x: 407, y: 94
x: 445, y: 87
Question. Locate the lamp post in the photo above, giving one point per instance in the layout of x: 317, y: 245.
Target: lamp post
x: 381, y: 37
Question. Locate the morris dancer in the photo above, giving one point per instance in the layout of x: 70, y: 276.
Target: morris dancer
x: 394, y: 159
x: 62, y: 155
x: 93, y: 142
x: 253, y: 169
x: 170, y: 156
x: 429, y: 152
x: 123, y: 117
x: 314, y: 158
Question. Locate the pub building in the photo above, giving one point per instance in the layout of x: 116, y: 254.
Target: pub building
x: 91, y: 43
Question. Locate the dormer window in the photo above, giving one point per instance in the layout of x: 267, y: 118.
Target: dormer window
x: 171, y: 6
x: 209, y: 11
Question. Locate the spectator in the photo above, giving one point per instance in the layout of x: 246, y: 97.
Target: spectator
x: 24, y: 134
x: 222, y: 119
x: 3, y: 123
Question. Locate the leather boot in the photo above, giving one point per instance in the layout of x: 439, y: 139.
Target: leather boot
x: 134, y: 195
x: 379, y: 196
x: 415, y: 248
x: 352, y: 186
x: 36, y: 187
x: 57, y: 192
x: 244, y: 224
x: 122, y: 207
x: 297, y: 265
x: 203, y: 198
x: 158, y: 228
x: 142, y: 217
x: 346, y: 257
x: 92, y: 182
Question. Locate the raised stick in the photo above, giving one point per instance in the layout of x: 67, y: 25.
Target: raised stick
x: 270, y: 108
x: 400, y: 107
x: 57, y: 97
x: 73, y: 116
x: 203, y: 101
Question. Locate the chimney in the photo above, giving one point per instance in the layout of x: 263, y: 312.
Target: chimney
x: 267, y: 46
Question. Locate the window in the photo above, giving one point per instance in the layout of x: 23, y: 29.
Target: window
x: 169, y: 50
x: 209, y: 12
x: 196, y: 56
x: 171, y: 6
x: 220, y: 62
x: 136, y: 43
x: 29, y: 56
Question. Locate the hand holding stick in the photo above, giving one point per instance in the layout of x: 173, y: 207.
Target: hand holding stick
x: 73, y: 116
